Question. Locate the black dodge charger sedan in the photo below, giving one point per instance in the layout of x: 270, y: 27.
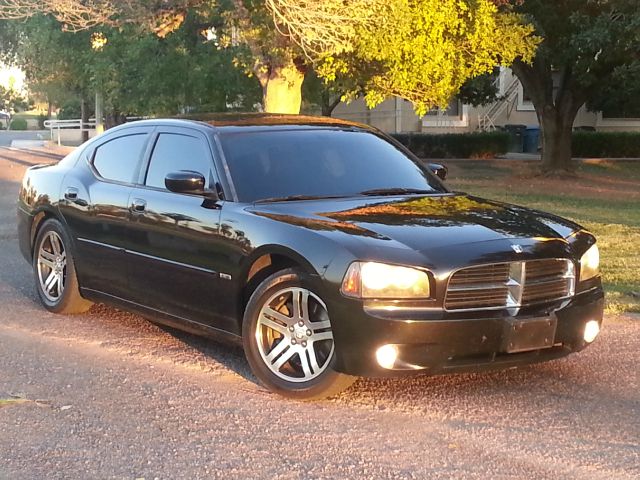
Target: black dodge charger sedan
x: 324, y: 247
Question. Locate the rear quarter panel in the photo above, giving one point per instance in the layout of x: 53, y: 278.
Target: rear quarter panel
x: 38, y: 199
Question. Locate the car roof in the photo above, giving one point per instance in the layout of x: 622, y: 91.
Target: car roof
x: 250, y: 122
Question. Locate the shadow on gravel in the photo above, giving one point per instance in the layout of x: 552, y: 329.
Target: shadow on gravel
x: 230, y: 356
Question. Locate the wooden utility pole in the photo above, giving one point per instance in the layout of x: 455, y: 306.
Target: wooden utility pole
x: 84, y: 133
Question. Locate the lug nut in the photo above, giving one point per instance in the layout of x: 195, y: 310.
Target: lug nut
x: 309, y: 333
x: 293, y: 341
x: 304, y: 344
x: 291, y: 329
x: 301, y: 323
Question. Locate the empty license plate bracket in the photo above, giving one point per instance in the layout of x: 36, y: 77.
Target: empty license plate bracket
x: 522, y: 335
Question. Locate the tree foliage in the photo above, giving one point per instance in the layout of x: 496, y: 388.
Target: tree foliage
x: 141, y: 73
x: 136, y: 71
x: 481, y: 90
x: 11, y: 100
x: 422, y: 50
x: 54, y: 62
x: 78, y: 15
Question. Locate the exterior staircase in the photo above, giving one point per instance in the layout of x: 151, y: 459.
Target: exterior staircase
x: 487, y: 119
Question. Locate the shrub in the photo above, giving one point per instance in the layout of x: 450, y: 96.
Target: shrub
x: 606, y: 144
x: 455, y: 145
x: 18, y: 124
x: 70, y: 110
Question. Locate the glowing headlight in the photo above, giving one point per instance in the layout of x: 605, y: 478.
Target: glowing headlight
x: 590, y: 263
x: 378, y: 280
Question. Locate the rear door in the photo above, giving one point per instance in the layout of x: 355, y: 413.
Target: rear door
x: 95, y: 206
x: 174, y: 257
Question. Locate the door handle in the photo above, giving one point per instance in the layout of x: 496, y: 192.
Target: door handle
x: 138, y: 205
x: 71, y: 193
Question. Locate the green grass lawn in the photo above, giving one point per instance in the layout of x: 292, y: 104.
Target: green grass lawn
x: 604, y: 197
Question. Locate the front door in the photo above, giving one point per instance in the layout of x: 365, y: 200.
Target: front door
x: 173, y: 257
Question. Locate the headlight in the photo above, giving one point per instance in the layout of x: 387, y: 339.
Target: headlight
x: 378, y: 280
x: 590, y: 263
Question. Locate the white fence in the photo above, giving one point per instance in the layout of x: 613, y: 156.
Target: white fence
x: 75, y: 124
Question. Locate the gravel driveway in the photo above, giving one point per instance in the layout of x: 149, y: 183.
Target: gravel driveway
x: 109, y: 395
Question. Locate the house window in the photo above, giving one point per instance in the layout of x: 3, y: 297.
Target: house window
x: 622, y: 111
x: 454, y: 109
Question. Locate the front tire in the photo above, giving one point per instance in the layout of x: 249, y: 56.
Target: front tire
x: 288, y: 341
x: 54, y: 271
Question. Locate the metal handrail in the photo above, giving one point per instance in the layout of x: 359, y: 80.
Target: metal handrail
x: 75, y: 123
x: 78, y: 124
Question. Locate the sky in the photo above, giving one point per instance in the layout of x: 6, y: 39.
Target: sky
x: 9, y: 75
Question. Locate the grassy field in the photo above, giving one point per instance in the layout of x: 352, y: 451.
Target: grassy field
x: 604, y: 197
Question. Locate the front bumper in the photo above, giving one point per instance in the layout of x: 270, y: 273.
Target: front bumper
x: 440, y: 345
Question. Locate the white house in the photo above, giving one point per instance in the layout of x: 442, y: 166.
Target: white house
x: 395, y: 115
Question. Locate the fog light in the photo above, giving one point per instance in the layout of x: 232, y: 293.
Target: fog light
x: 591, y: 331
x: 386, y: 356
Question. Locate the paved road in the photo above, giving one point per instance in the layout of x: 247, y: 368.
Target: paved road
x: 7, y: 136
x: 109, y: 395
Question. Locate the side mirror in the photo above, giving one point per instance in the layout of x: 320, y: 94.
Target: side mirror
x: 439, y: 170
x: 187, y: 181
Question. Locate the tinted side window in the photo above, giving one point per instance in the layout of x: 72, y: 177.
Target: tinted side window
x: 118, y: 158
x: 174, y: 152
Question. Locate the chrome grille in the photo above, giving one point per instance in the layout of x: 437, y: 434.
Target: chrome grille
x: 510, y: 285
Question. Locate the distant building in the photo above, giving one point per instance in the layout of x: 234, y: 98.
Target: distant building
x: 395, y: 115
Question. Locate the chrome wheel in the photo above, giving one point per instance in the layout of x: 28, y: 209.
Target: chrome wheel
x: 294, y: 335
x: 52, y: 266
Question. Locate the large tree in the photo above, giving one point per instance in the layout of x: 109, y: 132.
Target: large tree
x: 586, y: 44
x: 55, y: 62
x: 420, y: 50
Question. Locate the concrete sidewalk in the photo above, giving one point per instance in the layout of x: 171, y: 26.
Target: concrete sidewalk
x: 537, y: 157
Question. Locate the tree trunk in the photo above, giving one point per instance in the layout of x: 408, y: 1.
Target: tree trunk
x: 556, y: 110
x: 328, y: 104
x: 84, y: 118
x: 556, y: 131
x: 282, y: 89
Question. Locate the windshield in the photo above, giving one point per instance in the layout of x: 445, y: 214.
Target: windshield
x: 311, y: 163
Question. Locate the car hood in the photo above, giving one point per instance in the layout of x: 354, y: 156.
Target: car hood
x: 424, y: 222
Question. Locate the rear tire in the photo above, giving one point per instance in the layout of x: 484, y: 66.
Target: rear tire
x: 54, y: 271
x: 288, y: 341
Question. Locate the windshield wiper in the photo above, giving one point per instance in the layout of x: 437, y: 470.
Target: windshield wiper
x: 293, y: 198
x: 395, y: 191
